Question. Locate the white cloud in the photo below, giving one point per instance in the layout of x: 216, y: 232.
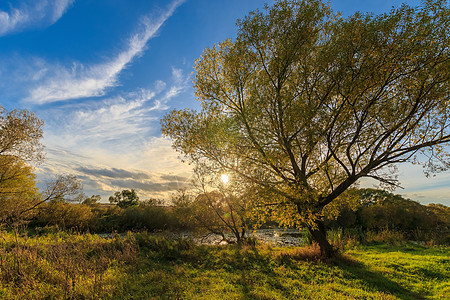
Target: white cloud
x: 34, y: 14
x: 118, y: 133
x: 81, y: 81
x: 180, y: 84
x: 417, y: 186
x: 104, y: 123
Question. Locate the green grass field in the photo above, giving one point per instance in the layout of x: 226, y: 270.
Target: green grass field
x: 66, y: 266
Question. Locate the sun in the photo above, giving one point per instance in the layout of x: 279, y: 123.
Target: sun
x: 224, y: 178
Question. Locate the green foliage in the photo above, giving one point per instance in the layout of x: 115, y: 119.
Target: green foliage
x: 182, y: 208
x: 64, y: 215
x: 107, y: 219
x: 380, y: 211
x: 62, y: 266
x: 125, y: 198
x: 100, y: 218
x: 94, y: 200
x: 147, y: 217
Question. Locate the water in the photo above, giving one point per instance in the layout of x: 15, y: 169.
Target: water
x: 279, y: 237
x: 276, y: 237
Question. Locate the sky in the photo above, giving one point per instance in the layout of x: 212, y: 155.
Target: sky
x: 102, y: 73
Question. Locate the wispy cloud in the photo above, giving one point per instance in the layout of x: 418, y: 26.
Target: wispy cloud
x: 81, y: 81
x: 114, y: 143
x: 35, y: 14
x: 104, y: 124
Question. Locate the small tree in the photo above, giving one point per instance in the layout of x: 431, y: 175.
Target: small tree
x: 304, y: 103
x: 219, y: 205
x: 125, y: 198
x: 94, y: 200
x: 182, y: 208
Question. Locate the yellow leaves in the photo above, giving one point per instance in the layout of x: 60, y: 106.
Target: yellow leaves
x: 20, y: 134
x: 18, y: 190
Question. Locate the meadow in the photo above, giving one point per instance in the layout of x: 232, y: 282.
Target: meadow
x: 61, y: 265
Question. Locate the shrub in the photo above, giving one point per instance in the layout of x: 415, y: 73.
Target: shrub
x: 390, y: 237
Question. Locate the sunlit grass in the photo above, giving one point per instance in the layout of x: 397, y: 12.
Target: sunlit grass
x: 139, y: 266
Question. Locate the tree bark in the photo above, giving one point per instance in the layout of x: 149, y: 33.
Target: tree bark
x: 319, y: 235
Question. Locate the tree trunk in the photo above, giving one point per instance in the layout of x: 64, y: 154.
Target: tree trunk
x: 319, y: 235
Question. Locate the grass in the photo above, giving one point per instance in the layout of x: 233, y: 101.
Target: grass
x: 139, y: 266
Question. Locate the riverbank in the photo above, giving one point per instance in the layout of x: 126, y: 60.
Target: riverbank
x: 278, y: 237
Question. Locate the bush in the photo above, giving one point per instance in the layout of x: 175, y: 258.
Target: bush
x: 384, y: 216
x: 64, y: 215
x: 164, y: 248
x: 390, y: 237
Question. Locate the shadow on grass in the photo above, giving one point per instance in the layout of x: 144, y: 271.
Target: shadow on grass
x: 374, y: 280
x: 250, y: 265
x: 352, y: 269
x: 170, y: 269
x: 414, y: 249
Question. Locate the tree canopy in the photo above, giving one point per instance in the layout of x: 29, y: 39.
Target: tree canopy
x: 304, y: 103
x: 20, y: 134
x: 125, y: 198
x: 21, y: 149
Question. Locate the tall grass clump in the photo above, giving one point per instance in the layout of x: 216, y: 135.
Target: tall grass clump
x: 61, y: 265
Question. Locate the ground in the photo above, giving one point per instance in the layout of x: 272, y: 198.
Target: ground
x: 140, y: 266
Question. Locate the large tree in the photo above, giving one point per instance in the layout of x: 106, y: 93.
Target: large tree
x: 303, y: 103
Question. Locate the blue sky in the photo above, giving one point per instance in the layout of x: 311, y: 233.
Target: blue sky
x: 101, y: 74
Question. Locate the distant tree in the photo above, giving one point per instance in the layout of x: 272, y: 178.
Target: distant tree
x: 92, y: 201
x: 442, y: 212
x: 381, y: 209
x: 304, y: 103
x: 125, y: 198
